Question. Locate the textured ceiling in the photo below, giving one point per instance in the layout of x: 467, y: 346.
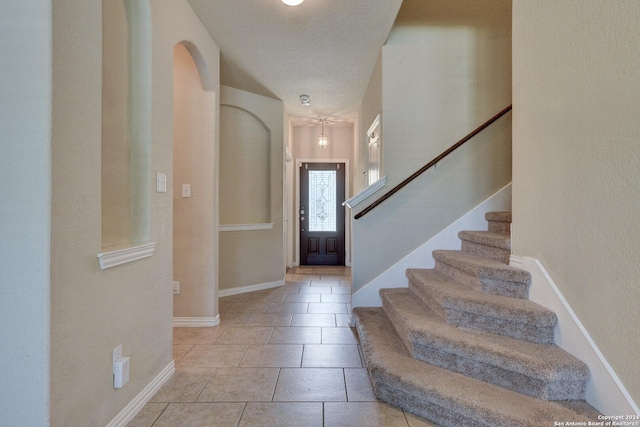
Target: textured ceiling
x: 326, y: 49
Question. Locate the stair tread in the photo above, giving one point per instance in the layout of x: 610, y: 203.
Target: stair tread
x: 488, y: 238
x: 498, y: 216
x: 444, y: 396
x: 540, y: 361
x: 481, y: 266
x: 452, y: 294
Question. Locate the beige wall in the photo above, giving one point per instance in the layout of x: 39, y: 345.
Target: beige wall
x: 245, y: 172
x: 255, y: 257
x: 93, y: 311
x: 446, y: 68
x: 576, y: 153
x: 25, y: 211
x: 340, y: 146
x: 194, y: 118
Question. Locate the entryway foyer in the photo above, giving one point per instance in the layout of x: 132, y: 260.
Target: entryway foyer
x: 281, y: 357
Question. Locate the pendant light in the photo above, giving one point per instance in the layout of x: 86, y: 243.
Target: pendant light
x: 292, y: 2
x: 322, y: 139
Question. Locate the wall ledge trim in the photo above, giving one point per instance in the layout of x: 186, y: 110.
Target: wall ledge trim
x: 250, y: 288
x: 195, y: 322
x: 138, y: 402
x: 605, y: 391
x: 115, y: 257
x: 247, y: 227
x: 358, y: 198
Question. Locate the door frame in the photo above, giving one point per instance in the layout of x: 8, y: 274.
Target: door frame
x: 296, y: 216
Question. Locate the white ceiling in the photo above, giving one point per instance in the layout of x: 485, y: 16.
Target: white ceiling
x: 326, y: 49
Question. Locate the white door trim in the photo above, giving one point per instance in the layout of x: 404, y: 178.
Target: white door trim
x: 296, y: 216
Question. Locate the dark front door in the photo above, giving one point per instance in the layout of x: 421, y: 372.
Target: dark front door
x: 322, y: 214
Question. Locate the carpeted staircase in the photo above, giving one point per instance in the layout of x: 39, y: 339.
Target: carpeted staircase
x: 463, y: 345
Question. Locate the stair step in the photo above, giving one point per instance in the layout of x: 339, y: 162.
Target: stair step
x: 444, y: 397
x: 486, y: 275
x: 496, y: 246
x: 542, y: 371
x: 499, y: 222
x: 460, y: 306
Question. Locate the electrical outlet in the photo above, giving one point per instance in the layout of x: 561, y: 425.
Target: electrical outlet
x: 121, y: 372
x: 176, y: 287
x: 120, y: 368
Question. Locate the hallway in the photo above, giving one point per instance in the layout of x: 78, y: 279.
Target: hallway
x: 280, y: 357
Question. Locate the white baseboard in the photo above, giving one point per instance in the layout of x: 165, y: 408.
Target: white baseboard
x: 395, y: 276
x: 195, y: 322
x: 250, y: 288
x: 605, y: 391
x: 132, y: 409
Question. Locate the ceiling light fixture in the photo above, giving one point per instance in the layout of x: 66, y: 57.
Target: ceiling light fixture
x: 305, y: 100
x: 292, y: 2
x: 322, y: 139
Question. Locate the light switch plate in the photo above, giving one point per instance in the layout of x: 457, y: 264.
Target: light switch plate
x: 161, y: 183
x: 186, y: 190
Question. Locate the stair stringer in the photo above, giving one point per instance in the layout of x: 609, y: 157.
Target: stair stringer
x: 605, y: 391
x: 421, y: 257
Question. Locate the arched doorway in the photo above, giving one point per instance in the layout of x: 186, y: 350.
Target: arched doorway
x: 195, y: 238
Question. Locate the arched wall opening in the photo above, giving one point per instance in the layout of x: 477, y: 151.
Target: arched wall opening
x: 194, y: 188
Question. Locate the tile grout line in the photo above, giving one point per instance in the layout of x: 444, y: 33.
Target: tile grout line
x: 273, y: 395
x: 160, y: 414
x: 346, y: 389
x: 244, y: 409
x: 205, y: 384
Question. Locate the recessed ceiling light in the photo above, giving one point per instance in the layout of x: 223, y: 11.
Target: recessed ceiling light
x: 292, y: 2
x: 305, y: 100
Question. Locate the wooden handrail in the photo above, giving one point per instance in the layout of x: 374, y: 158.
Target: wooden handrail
x: 432, y: 163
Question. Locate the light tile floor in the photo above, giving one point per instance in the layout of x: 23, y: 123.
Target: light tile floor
x: 281, y: 357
